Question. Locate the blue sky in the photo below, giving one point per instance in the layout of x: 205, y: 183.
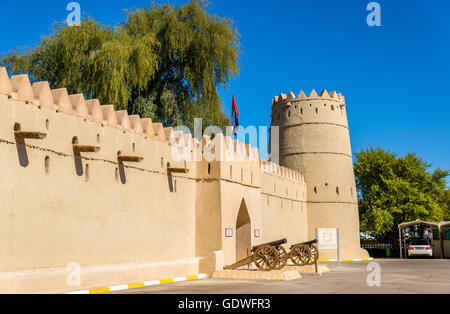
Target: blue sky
x: 395, y: 77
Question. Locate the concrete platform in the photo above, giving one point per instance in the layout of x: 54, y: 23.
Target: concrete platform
x: 308, y: 269
x: 397, y: 276
x: 275, y: 275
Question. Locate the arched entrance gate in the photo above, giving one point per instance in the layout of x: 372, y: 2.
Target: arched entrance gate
x: 243, y: 233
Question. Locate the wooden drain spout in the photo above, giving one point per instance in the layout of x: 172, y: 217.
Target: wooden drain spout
x: 177, y: 170
x: 122, y: 158
x: 85, y: 148
x: 30, y: 135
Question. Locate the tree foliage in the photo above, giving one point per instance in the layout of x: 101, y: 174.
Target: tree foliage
x: 197, y: 51
x: 90, y: 59
x: 394, y: 189
x: 162, y: 62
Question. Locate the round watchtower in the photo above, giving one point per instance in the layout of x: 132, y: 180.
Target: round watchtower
x: 314, y: 140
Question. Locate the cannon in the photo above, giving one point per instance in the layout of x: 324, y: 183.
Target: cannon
x: 274, y: 243
x: 305, y: 253
x: 265, y: 257
x: 281, y: 251
x: 273, y: 256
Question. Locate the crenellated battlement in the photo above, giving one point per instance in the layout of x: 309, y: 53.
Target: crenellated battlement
x: 288, y: 110
x: 225, y: 148
x: 19, y: 88
x: 280, y: 171
x: 221, y: 148
x: 287, y: 99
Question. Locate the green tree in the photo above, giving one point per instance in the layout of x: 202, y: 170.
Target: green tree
x: 394, y: 189
x: 91, y: 59
x: 198, y: 52
x: 164, y: 62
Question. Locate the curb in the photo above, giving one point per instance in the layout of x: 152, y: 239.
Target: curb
x: 347, y: 260
x: 139, y: 285
x: 342, y: 260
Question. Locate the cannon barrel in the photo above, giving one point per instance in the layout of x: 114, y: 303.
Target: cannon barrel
x: 306, y: 243
x: 274, y: 243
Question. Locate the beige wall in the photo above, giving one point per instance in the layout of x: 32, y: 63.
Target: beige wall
x: 246, y: 184
x: 134, y: 222
x: 124, y: 224
x: 48, y: 220
x: 233, y: 196
x: 284, y: 208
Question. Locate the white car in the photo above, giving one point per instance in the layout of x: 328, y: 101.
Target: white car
x: 420, y: 248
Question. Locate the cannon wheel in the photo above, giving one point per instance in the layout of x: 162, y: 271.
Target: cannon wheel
x: 266, y: 258
x: 282, y: 257
x: 300, y: 254
x: 314, y: 254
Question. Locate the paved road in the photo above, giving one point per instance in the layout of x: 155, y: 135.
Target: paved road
x: 397, y: 276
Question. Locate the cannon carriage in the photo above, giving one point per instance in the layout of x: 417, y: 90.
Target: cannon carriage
x: 305, y: 253
x: 273, y: 256
x: 264, y: 256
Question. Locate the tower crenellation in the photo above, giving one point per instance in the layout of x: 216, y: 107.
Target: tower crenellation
x: 293, y: 110
x: 334, y: 96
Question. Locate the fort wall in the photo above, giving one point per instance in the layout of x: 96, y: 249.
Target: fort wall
x: 283, y: 202
x: 58, y: 209
x: 96, y: 187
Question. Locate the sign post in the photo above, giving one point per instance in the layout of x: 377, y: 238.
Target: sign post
x: 328, y: 239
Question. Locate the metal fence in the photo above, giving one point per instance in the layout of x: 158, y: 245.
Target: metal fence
x: 375, y: 245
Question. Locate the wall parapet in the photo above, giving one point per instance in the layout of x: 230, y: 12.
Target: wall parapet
x: 280, y: 171
x: 19, y: 88
x: 287, y: 99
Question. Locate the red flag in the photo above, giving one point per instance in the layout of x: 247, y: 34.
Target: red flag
x: 235, y: 106
x: 234, y: 117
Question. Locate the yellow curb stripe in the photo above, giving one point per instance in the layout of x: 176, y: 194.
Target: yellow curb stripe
x: 342, y: 260
x: 99, y: 290
x: 136, y: 285
x: 192, y: 277
x: 347, y: 260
